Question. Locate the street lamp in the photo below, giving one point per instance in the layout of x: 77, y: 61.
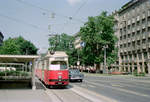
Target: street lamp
x: 105, y: 70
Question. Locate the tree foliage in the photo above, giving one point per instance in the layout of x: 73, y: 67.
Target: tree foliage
x: 64, y: 42
x: 97, y: 33
x: 18, y: 46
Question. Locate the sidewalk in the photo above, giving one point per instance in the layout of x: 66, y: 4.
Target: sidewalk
x: 26, y: 95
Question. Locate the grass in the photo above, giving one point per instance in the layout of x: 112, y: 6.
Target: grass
x: 13, y: 73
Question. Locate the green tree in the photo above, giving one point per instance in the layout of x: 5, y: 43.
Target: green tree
x: 18, y: 46
x: 26, y: 47
x: 9, y: 47
x: 64, y: 42
x: 97, y: 33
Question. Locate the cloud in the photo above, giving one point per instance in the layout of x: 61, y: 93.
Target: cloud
x: 73, y: 2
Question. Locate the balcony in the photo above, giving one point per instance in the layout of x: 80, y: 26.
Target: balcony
x: 148, y: 34
x: 133, y: 48
x: 138, y: 28
x: 129, y: 22
x: 149, y: 13
x: 133, y: 20
x: 133, y: 39
x: 143, y: 16
x: 138, y: 37
x: 125, y: 50
x: 121, y: 50
x: 121, y: 26
x: 144, y: 46
x: 133, y: 29
x: 143, y: 26
x: 144, y: 36
x: 138, y: 47
x: 148, y: 23
x: 128, y: 31
x: 129, y: 40
x: 148, y: 45
x: 138, y: 18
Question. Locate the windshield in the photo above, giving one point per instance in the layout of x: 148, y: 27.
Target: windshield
x: 74, y: 71
x: 58, y: 65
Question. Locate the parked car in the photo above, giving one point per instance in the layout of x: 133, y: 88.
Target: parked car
x: 75, y: 75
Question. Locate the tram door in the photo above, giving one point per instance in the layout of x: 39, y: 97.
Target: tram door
x: 42, y: 62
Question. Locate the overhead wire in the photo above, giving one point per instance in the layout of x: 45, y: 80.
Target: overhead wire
x: 81, y: 6
x: 47, y: 10
x: 57, y: 14
x: 22, y: 22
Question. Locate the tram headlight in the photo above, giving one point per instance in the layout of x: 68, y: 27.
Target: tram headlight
x: 59, y: 77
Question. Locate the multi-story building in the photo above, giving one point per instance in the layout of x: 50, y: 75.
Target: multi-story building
x: 78, y: 41
x: 132, y: 26
x: 1, y: 38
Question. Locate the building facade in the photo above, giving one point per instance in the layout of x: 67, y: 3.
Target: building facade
x: 1, y: 38
x: 132, y: 26
x: 78, y: 41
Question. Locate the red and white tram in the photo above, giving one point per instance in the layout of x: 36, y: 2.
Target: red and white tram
x: 53, y: 69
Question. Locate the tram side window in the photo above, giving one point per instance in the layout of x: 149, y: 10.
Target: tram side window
x: 58, y: 65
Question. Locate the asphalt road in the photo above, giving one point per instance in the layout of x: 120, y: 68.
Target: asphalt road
x: 104, y: 89
x: 119, y: 88
x: 94, y: 88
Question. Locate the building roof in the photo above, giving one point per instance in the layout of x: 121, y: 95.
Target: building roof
x: 1, y: 34
x: 129, y: 4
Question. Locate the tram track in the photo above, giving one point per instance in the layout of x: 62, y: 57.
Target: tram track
x: 63, y: 95
x: 67, y: 95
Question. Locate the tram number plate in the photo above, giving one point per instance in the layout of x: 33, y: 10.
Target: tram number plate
x: 59, y: 83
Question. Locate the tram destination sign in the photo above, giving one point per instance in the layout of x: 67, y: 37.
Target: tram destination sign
x: 59, y: 58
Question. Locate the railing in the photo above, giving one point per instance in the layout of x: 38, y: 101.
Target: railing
x: 148, y: 34
x: 144, y: 46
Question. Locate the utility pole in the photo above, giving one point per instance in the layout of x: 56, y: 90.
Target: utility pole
x: 56, y: 42
x: 105, y: 63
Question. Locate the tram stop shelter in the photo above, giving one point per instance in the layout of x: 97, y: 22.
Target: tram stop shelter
x: 16, y: 59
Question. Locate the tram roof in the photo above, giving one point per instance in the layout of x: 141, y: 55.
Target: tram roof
x: 17, y: 58
x: 57, y: 53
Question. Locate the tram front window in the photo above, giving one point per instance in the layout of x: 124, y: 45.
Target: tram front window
x: 58, y: 65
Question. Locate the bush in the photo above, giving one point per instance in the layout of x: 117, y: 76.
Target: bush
x: 138, y: 74
x: 13, y: 73
x: 2, y: 73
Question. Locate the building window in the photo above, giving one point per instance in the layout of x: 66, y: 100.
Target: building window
x: 143, y: 20
x: 145, y: 55
x: 129, y: 27
x: 140, y: 56
x: 138, y: 23
x: 133, y: 34
x: 130, y: 56
x: 138, y: 42
x: 124, y: 36
x: 138, y: 32
x: 120, y: 46
x: 133, y: 24
x: 129, y: 44
x: 143, y: 31
x: 135, y: 56
x: 148, y: 29
x: 120, y: 37
x: 148, y: 39
x: 133, y: 44
x: 143, y: 41
x: 129, y: 35
x: 124, y: 45
x: 148, y: 19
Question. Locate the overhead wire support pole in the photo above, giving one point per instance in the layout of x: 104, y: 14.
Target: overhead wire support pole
x: 105, y: 63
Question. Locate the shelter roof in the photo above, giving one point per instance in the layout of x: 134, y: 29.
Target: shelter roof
x: 17, y: 58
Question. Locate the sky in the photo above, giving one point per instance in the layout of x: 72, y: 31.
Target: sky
x: 35, y: 20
